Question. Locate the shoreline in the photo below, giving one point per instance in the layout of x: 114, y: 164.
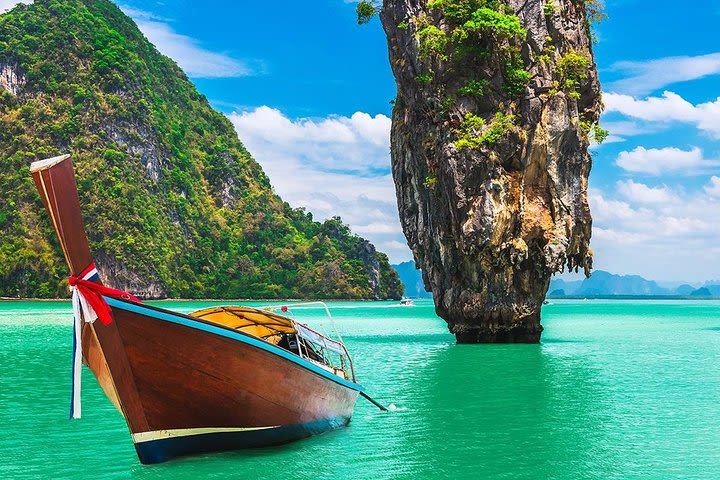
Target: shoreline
x: 300, y: 300
x: 288, y: 300
x: 632, y: 297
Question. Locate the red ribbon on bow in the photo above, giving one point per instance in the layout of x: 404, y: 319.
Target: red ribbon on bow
x: 93, y: 294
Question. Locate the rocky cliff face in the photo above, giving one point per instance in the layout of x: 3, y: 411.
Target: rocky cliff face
x: 368, y: 255
x: 10, y: 80
x: 126, y: 279
x: 496, y: 105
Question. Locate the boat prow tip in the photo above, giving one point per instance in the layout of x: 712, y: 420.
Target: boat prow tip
x: 47, y: 163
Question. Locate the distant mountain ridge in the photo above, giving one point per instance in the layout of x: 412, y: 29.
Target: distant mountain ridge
x: 603, y: 283
x: 600, y: 284
x: 411, y: 277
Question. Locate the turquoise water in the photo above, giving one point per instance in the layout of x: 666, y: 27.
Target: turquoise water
x: 617, y: 389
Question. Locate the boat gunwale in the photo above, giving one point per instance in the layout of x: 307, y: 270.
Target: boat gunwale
x: 233, y: 335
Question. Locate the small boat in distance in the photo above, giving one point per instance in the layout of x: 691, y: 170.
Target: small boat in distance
x: 220, y: 378
x: 407, y: 302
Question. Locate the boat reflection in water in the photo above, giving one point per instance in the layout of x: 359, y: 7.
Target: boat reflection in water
x: 218, y: 379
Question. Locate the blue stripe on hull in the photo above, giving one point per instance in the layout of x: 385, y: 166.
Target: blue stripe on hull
x: 158, y: 451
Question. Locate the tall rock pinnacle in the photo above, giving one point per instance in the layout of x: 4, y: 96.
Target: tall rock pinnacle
x: 497, y: 102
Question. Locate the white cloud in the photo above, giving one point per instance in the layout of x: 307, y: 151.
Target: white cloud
x: 669, y: 108
x: 661, y: 231
x: 6, y: 5
x: 389, y: 227
x: 625, y: 128
x: 657, y: 161
x: 647, y: 235
x: 645, y: 195
x: 648, y: 76
x: 359, y: 144
x: 336, y: 165
x: 621, y: 129
x: 373, y: 129
x: 604, y: 209
x: 394, y: 244
x: 195, y: 60
x: 713, y: 188
x: 138, y: 14
x: 607, y: 235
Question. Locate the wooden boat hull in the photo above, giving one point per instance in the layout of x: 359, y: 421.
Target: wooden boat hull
x: 204, y: 387
x: 186, y: 385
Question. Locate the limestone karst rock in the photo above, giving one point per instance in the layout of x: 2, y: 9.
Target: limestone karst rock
x: 497, y: 102
x: 10, y: 80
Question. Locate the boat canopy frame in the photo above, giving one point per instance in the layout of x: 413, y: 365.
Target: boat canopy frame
x: 265, y: 324
x: 316, y: 338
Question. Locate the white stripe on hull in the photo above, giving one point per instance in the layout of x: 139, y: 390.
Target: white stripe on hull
x: 186, y: 432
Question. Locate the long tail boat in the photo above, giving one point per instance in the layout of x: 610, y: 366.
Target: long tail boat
x: 221, y: 378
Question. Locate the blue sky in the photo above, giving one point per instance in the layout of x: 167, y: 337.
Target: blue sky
x: 308, y: 91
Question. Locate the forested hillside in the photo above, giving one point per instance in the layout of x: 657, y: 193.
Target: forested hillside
x: 175, y: 205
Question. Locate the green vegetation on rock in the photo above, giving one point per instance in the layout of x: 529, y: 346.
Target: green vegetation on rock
x: 500, y: 25
x: 594, y: 11
x: 478, y: 32
x: 572, y: 71
x: 516, y: 76
x: 594, y: 131
x: 474, y: 88
x: 549, y: 7
x: 366, y: 11
x: 425, y: 78
x: 599, y: 133
x: 430, y: 181
x: 472, y: 133
x: 469, y: 132
x: 594, y: 14
x: 170, y: 194
x: 462, y: 10
x: 432, y: 41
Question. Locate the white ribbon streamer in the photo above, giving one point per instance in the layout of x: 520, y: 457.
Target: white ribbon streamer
x: 81, y: 310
